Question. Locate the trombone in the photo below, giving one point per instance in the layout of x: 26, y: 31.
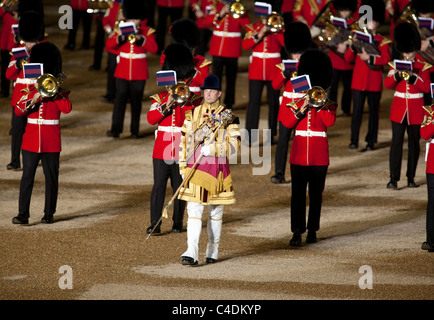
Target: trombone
x: 316, y: 97
x: 180, y: 93
x: 47, y: 85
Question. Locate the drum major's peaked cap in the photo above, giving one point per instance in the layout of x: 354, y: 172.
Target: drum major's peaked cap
x: 406, y: 37
x: 211, y: 82
x: 49, y: 55
x: 134, y: 9
x: 318, y: 66
x: 180, y: 59
x: 186, y: 32
x: 31, y: 27
x: 297, y: 37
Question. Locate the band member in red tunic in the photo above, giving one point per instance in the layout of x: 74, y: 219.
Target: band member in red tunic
x: 9, y: 17
x: 266, y: 47
x: 169, y: 115
x: 427, y: 133
x: 225, y: 46
x: 406, y: 111
x: 297, y: 40
x: 309, y: 158
x: 367, y: 82
x: 41, y: 140
x: 132, y: 70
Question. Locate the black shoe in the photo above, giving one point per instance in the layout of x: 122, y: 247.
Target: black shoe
x: 177, y: 228
x: 69, y: 47
x: 369, y: 147
x: 13, y: 166
x: 94, y: 68
x: 296, y: 240
x: 392, y: 184
x: 157, y: 229
x: 134, y: 136
x: 211, y: 260
x: 278, y: 178
x: 188, y: 261
x: 311, y: 237
x: 353, y: 145
x: 412, y: 184
x: 428, y: 245
x: 112, y: 134
x: 21, y: 219
x: 47, y: 218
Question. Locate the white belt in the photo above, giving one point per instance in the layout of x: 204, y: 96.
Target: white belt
x: 293, y: 95
x: 169, y: 129
x: 266, y: 54
x: 409, y: 95
x: 310, y: 133
x: 194, y: 89
x: 227, y: 34
x: 133, y: 55
x: 25, y: 81
x: 42, y: 121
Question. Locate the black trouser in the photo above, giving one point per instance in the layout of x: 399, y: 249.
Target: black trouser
x: 254, y: 107
x: 356, y: 121
x: 99, y: 44
x: 301, y: 177
x: 5, y: 83
x: 111, y: 80
x: 395, y: 156
x: 163, y: 14
x: 163, y: 170
x: 78, y: 15
x: 134, y: 91
x: 205, y: 35
x: 346, y: 76
x: 50, y: 165
x: 231, y: 69
x: 282, y: 149
x: 18, y: 128
x: 430, y: 208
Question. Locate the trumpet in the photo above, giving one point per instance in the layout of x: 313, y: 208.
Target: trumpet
x: 316, y: 97
x: 47, y: 86
x: 237, y: 9
x: 132, y: 38
x: 404, y: 74
x: 275, y: 22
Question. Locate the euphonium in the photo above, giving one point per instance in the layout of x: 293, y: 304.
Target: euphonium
x: 237, y: 9
x: 48, y: 85
x: 275, y: 22
x: 180, y: 92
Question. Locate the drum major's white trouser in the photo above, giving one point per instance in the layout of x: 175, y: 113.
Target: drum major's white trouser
x: 194, y: 227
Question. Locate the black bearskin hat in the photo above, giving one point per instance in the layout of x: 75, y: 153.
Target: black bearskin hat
x: 31, y: 26
x: 185, y: 31
x: 343, y: 5
x: 134, y: 9
x: 49, y: 55
x: 318, y: 66
x: 406, y: 38
x: 297, y: 37
x: 423, y: 6
x: 378, y: 9
x: 180, y: 59
x: 30, y: 5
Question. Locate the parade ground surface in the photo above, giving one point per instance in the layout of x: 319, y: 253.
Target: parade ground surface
x: 370, y: 237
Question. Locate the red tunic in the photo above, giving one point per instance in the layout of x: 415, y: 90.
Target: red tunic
x: 408, y: 98
x: 168, y: 133
x: 366, y: 79
x: 265, y: 53
x: 133, y: 64
x: 108, y: 22
x: 43, y: 130
x: 310, y: 144
x: 81, y: 5
x: 308, y: 10
x: 202, y: 5
x: 170, y: 3
x: 7, y: 41
x: 226, y: 38
x: 427, y: 133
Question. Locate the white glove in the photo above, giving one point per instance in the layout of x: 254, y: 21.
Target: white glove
x: 205, y: 150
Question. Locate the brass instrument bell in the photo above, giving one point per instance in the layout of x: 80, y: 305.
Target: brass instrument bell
x: 275, y: 22
x: 237, y: 9
x: 180, y: 92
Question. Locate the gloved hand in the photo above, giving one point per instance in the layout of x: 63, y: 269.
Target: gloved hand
x: 205, y: 150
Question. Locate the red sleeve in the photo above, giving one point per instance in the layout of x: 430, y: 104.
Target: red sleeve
x: 427, y: 132
x: 12, y: 71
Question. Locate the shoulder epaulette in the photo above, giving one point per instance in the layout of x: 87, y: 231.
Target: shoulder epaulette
x: 385, y: 41
x: 150, y: 31
x: 156, y: 97
x: 426, y: 65
x: 280, y: 66
x: 205, y: 63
